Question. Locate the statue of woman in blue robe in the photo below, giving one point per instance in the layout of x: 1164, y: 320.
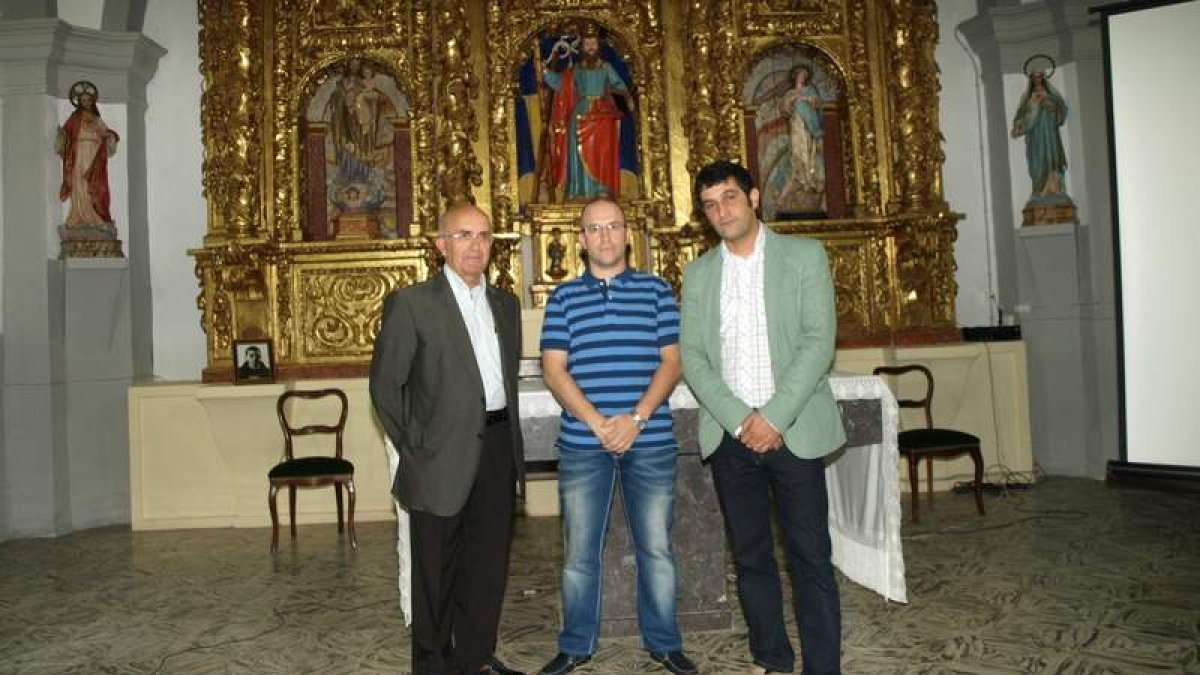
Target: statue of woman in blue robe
x: 1041, y: 112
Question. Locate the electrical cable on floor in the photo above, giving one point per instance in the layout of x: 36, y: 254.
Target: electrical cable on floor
x: 1040, y: 514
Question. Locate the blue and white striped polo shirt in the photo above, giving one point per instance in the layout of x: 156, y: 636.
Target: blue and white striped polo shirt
x: 612, y: 332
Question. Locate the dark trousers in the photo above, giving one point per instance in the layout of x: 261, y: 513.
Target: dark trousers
x: 745, y: 483
x: 459, y: 566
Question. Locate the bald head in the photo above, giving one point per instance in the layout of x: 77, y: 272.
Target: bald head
x: 604, y: 236
x: 458, y: 210
x: 465, y: 241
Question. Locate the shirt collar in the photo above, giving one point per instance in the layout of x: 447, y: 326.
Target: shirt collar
x: 593, y: 280
x: 460, y: 287
x: 755, y: 256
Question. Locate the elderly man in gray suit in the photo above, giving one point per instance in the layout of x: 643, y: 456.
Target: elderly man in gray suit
x: 444, y: 385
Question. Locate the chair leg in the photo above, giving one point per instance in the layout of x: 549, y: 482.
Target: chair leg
x: 337, y: 490
x: 350, y: 514
x: 914, y: 482
x: 274, y: 518
x: 292, y: 508
x: 929, y: 477
x: 977, y: 457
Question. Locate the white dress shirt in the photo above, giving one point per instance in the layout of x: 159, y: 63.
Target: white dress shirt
x: 485, y: 339
x: 745, y: 350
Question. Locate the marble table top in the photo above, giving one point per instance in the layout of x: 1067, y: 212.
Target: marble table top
x: 540, y: 412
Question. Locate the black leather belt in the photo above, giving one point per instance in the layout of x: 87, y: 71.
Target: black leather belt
x: 496, y: 416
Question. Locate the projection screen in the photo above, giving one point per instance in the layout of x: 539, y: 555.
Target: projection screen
x: 1153, y: 59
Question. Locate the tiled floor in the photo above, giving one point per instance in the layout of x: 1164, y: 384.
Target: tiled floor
x: 1070, y: 577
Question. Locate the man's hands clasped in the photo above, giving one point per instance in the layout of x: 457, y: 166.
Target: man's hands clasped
x: 616, y: 432
x: 758, y: 434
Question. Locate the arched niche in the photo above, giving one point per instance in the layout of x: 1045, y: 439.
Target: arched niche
x: 357, y: 152
x: 794, y: 97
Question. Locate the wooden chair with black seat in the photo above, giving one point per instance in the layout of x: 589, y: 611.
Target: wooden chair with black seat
x: 932, y: 441
x: 311, y: 471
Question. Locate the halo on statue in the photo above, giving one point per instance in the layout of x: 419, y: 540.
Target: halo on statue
x: 1037, y: 60
x: 79, y: 89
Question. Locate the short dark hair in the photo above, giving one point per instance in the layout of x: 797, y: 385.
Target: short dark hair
x: 717, y: 173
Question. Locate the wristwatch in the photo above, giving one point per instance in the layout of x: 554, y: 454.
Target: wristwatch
x: 638, y: 421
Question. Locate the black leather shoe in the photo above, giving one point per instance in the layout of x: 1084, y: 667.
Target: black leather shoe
x: 564, y: 663
x: 677, y: 662
x: 494, y: 666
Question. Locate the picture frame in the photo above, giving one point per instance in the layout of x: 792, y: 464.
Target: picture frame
x: 253, y: 361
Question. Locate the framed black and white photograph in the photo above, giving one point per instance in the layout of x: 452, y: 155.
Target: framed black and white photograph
x: 253, y: 362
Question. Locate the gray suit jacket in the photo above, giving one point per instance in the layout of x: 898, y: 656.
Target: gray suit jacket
x: 428, y: 394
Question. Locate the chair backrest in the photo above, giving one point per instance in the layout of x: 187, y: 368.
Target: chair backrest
x: 926, y: 402
x: 290, y: 431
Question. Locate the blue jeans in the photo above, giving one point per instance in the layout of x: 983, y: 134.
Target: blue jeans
x: 746, y: 483
x: 586, y: 483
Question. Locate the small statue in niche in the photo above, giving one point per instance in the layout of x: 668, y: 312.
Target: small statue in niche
x: 791, y: 91
x: 358, y: 212
x: 1040, y: 113
x: 359, y: 114
x: 85, y: 143
x: 576, y: 130
x: 802, y: 108
x: 556, y: 253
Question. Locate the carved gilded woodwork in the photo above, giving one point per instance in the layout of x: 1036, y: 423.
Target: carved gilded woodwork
x: 340, y: 301
x: 261, y: 62
x: 890, y: 249
x: 635, y: 30
x: 457, y: 127
x: 892, y: 255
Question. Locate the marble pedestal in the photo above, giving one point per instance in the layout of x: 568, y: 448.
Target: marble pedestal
x: 698, y: 541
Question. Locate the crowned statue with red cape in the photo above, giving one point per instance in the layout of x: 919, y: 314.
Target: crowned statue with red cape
x: 85, y: 143
x: 584, y: 144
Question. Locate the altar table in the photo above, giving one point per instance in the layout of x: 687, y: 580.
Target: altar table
x: 864, y: 502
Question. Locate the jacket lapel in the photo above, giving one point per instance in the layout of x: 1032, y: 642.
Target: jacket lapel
x: 712, y: 298
x: 506, y: 333
x: 455, y: 329
x: 772, y: 289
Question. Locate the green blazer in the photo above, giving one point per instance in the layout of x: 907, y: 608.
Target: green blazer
x: 801, y: 324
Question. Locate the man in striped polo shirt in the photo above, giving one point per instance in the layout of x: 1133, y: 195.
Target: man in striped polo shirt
x: 610, y: 355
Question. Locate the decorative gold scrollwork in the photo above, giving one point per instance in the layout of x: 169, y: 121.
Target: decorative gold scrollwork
x: 262, y: 273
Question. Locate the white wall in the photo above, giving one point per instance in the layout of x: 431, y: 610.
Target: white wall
x: 83, y: 13
x: 177, y: 209
x: 964, y: 173
x: 3, y: 227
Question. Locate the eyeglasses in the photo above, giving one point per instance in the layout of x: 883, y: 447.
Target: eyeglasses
x: 468, y: 236
x: 597, y: 228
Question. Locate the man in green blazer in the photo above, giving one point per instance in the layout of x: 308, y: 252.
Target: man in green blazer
x: 757, y: 339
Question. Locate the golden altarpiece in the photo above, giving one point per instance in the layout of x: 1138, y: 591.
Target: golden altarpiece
x: 336, y: 132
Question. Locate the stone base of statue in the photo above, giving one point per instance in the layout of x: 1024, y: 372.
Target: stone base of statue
x: 89, y: 241
x: 357, y: 226
x: 1054, y: 209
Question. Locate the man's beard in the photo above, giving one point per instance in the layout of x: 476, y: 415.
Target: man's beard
x: 590, y: 60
